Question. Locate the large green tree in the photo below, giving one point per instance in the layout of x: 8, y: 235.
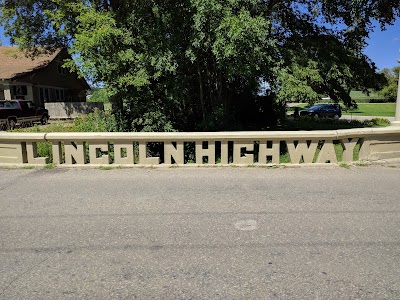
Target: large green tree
x: 185, y: 64
x: 389, y: 91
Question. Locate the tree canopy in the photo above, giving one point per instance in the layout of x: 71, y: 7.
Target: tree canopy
x: 185, y: 64
x: 389, y: 91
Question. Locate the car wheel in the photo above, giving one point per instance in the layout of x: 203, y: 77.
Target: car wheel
x: 11, y: 124
x: 316, y: 116
x: 44, y: 120
x: 336, y: 117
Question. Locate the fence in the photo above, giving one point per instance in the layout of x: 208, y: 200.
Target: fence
x: 206, y: 148
x: 70, y: 110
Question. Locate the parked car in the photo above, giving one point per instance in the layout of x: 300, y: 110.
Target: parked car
x: 323, y: 111
x: 21, y: 112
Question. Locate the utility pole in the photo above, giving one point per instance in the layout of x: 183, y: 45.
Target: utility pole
x: 397, y: 116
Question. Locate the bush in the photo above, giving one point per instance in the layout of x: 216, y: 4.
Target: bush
x: 98, y: 121
x: 44, y: 150
x: 154, y: 121
x: 373, y: 100
x: 308, y: 123
x: 377, y: 122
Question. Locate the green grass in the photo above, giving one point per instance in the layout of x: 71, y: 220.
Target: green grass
x: 49, y: 166
x: 105, y: 168
x: 360, y: 96
x: 54, y: 126
x: 373, y: 109
x: 364, y: 109
x: 344, y: 165
x: 361, y: 164
x: 28, y: 167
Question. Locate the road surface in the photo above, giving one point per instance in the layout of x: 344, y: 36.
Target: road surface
x: 200, y: 233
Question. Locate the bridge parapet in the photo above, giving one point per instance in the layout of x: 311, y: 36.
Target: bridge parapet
x: 202, y: 148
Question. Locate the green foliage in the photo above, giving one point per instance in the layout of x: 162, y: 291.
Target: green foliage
x: 49, y: 166
x: 367, y: 97
x: 389, y: 91
x: 344, y: 165
x: 377, y: 122
x: 105, y: 168
x: 307, y: 123
x: 218, y: 121
x: 194, y: 64
x: 44, y: 150
x: 99, y: 95
x: 152, y: 121
x: 295, y: 84
x: 28, y: 167
x: 98, y: 121
x: 362, y: 164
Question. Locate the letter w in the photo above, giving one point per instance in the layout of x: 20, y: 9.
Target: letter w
x: 302, y: 150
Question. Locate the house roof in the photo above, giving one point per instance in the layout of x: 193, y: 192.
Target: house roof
x: 14, y: 63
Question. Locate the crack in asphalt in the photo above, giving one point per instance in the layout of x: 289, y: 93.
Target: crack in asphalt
x: 22, y: 274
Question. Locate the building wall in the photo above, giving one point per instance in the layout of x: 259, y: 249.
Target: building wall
x: 53, y: 84
x: 71, y: 110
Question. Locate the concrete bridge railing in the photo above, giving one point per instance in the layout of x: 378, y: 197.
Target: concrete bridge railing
x: 202, y: 148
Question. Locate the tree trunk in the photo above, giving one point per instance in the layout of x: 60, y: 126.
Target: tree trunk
x: 201, y: 94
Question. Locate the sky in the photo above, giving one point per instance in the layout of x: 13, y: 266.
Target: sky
x: 383, y: 46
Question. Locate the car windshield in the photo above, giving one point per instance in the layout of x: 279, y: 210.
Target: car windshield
x: 316, y: 106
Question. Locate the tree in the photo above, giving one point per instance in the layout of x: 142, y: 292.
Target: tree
x: 99, y: 95
x: 185, y: 64
x: 389, y: 91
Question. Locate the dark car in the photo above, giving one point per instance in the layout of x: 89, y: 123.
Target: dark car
x: 21, y: 112
x: 323, y: 111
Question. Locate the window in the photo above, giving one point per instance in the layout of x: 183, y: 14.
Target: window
x: 24, y: 105
x: 44, y: 95
x: 9, y: 104
x: 31, y: 105
x: 20, y: 91
x: 60, y: 95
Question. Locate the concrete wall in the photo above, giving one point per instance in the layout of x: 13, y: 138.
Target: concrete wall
x: 219, y: 148
x: 70, y: 110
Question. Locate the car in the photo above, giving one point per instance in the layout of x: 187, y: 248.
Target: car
x: 323, y: 111
x: 21, y: 112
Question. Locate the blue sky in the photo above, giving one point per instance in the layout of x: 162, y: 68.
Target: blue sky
x: 383, y: 48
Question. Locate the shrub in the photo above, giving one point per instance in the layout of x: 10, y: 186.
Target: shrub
x: 154, y: 121
x: 97, y: 121
x: 377, y: 122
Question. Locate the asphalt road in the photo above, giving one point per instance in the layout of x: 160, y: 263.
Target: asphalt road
x: 201, y: 233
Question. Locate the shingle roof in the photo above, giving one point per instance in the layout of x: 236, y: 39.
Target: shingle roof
x: 13, y: 62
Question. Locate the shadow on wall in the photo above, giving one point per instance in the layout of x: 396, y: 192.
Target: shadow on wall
x: 71, y: 110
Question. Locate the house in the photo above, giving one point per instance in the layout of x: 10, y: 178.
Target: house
x: 41, y: 79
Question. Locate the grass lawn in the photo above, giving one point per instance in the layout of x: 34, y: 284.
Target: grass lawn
x: 373, y: 109
x: 360, y: 96
x: 364, y: 109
